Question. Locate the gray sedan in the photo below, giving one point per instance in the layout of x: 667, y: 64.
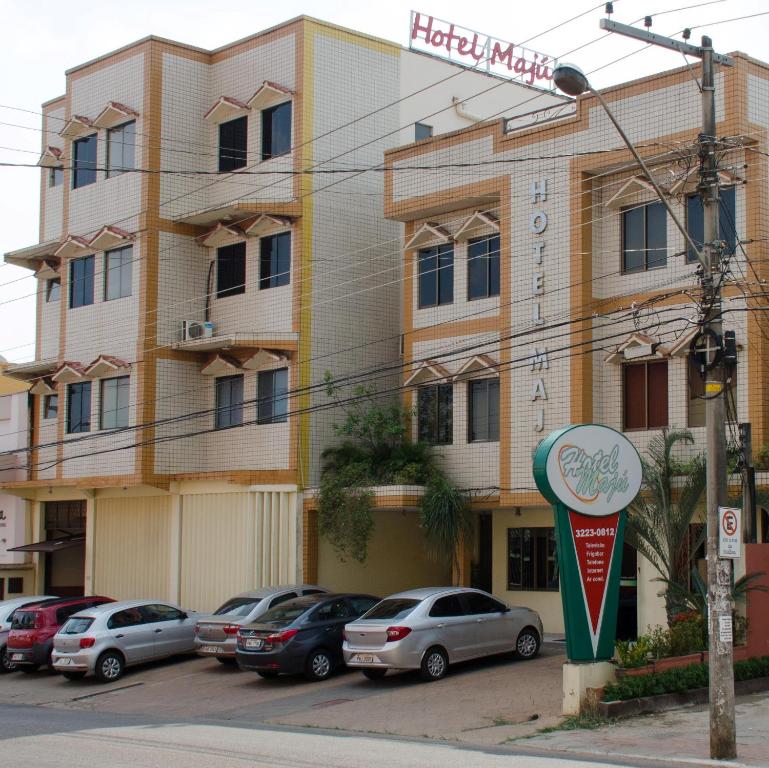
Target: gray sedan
x: 106, y: 639
x: 428, y: 629
x: 7, y: 609
x: 216, y: 635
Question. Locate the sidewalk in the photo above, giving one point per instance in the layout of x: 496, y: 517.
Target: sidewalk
x: 678, y: 736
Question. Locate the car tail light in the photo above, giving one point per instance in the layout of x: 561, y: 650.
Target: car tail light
x: 197, y: 629
x: 397, y: 633
x: 281, y: 637
x: 87, y: 642
x: 231, y: 629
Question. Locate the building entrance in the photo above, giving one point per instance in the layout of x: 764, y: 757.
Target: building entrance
x: 64, y: 553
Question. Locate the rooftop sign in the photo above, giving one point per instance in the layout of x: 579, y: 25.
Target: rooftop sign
x: 477, y: 50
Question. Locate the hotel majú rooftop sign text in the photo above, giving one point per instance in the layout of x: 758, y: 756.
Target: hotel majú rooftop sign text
x: 474, y: 49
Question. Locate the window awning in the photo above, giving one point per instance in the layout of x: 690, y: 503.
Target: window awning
x: 52, y: 545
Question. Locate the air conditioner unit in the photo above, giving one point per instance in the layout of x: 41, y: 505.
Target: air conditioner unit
x: 195, y: 329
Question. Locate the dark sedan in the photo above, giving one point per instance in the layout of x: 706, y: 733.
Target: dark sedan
x: 301, y: 636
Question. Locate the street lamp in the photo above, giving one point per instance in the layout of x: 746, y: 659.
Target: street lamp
x: 570, y: 79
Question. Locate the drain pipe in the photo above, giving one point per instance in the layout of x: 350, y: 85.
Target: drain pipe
x: 459, y: 107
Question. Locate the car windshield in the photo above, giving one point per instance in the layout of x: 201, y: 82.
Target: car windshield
x: 285, y: 613
x: 239, y: 606
x: 396, y: 608
x: 76, y: 626
x: 24, y: 620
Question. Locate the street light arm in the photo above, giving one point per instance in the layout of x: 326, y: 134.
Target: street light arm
x: 657, y: 188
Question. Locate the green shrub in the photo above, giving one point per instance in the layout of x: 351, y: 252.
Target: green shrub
x: 688, y: 636
x: 633, y: 653
x: 679, y: 680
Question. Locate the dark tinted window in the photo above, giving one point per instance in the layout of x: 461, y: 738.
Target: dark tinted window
x: 24, y: 620
x: 483, y: 267
x: 395, y: 608
x: 727, y: 230
x: 233, y: 141
x: 160, y: 612
x: 339, y: 609
x: 62, y: 614
x: 282, y: 598
x: 79, y: 407
x: 477, y: 603
x: 450, y: 605
x: 436, y: 276
x: 484, y: 410
x: 128, y: 618
x: 644, y: 237
x: 230, y: 270
x: 312, y: 592
x: 240, y: 606
x: 272, y: 395
x: 114, y: 402
x: 276, y: 130
x: 121, y: 142
x: 275, y: 261
x: 229, y: 402
x: 81, y: 282
x: 422, y: 131
x: 435, y: 406
x: 118, y: 267
x: 361, y: 604
x: 84, y: 161
x: 76, y: 626
x: 286, y: 612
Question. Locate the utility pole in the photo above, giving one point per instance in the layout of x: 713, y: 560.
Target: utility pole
x: 723, y: 745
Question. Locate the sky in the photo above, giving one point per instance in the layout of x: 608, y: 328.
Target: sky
x: 39, y: 41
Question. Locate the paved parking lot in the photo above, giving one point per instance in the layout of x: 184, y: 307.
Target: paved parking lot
x: 482, y: 702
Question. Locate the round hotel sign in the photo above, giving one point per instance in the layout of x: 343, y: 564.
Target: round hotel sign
x: 588, y: 468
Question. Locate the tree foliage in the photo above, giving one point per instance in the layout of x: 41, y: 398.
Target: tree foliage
x: 375, y: 450
x: 659, y: 519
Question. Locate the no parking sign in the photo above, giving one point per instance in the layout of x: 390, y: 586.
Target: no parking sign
x: 729, y: 532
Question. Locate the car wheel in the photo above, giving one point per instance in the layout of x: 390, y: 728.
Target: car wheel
x: 6, y: 665
x: 267, y: 674
x: 318, y: 666
x: 374, y: 674
x: 435, y: 664
x: 30, y: 668
x: 527, y: 644
x: 74, y: 675
x: 109, y: 667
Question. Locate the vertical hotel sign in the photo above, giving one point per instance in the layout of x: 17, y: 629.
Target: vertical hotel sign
x: 474, y: 49
x: 590, y: 474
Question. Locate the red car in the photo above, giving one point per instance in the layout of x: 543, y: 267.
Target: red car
x: 30, y: 640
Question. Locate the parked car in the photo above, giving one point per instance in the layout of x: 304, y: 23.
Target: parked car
x: 7, y: 609
x: 30, y: 640
x: 106, y: 639
x: 216, y: 635
x: 428, y: 629
x: 300, y: 636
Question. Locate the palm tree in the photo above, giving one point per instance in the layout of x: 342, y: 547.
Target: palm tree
x: 659, y: 519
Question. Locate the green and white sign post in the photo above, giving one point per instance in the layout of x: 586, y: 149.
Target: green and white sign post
x: 589, y: 473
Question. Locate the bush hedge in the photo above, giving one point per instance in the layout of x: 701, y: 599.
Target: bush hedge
x: 679, y: 680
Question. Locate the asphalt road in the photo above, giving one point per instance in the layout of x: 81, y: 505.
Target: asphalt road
x: 51, y: 738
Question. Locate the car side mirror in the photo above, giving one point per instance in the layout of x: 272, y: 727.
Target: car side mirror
x: 184, y: 615
x: 506, y: 609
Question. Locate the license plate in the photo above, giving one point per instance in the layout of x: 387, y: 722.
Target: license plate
x: 211, y: 649
x: 364, y: 658
x: 17, y: 657
x: 253, y: 643
x: 63, y: 662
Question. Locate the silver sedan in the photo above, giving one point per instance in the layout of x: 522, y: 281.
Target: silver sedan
x: 216, y: 635
x: 106, y: 639
x: 428, y: 629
